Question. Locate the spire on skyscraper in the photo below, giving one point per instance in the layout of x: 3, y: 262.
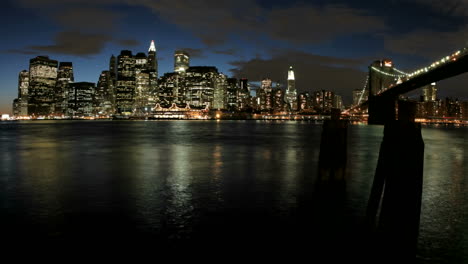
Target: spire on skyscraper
x: 291, y: 73
x: 152, y: 47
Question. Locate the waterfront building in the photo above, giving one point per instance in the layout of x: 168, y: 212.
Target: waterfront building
x: 104, y: 98
x: 265, y: 95
x: 291, y: 93
x: 220, y: 92
x: 20, y: 104
x: 64, y: 78
x: 126, y: 83
x: 303, y: 101
x: 244, y: 99
x: 80, y: 99
x: 232, y: 94
x: 42, y: 83
x: 200, y: 83
x: 323, y: 101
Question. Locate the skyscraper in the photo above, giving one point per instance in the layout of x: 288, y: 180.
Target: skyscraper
x: 23, y: 86
x: 220, y: 92
x: 429, y: 93
x: 104, y: 98
x: 181, y: 61
x: 291, y: 93
x: 142, y: 84
x: 126, y: 82
x: 200, y: 83
x: 232, y: 94
x: 64, y: 79
x: 152, y: 67
x: 265, y: 95
x: 80, y: 99
x: 42, y: 81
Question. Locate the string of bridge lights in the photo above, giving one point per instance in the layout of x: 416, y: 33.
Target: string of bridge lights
x: 435, y: 64
x: 364, y: 89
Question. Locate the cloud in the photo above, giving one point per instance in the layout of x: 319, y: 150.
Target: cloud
x: 193, y: 53
x: 226, y: 52
x: 445, y: 7
x: 87, y: 18
x: 300, y: 24
x: 313, y: 72
x: 128, y: 42
x: 75, y: 43
x: 18, y: 51
x: 427, y: 43
x: 307, y: 24
x: 215, y: 22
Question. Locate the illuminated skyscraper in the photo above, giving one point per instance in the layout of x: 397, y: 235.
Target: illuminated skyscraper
x: 265, y: 95
x: 42, y: 81
x: 232, y: 94
x: 181, y: 61
x: 430, y: 93
x: 291, y: 93
x: 152, y: 67
x: 126, y: 82
x: 220, y: 92
x: 200, y: 83
x: 323, y: 101
x: 142, y: 84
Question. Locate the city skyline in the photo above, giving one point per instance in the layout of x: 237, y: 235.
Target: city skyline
x: 239, y: 49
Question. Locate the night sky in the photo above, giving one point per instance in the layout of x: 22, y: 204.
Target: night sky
x: 330, y: 43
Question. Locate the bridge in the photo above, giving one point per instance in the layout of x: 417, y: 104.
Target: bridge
x: 380, y: 101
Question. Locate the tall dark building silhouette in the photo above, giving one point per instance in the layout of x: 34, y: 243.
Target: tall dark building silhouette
x: 80, y: 99
x: 20, y: 105
x: 243, y: 98
x: 42, y: 83
x: 113, y: 67
x: 104, y: 98
x: 64, y: 79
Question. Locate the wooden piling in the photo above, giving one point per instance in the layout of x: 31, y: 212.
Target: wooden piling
x: 398, y: 186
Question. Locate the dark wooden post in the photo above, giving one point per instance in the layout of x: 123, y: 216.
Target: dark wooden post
x: 333, y: 148
x: 398, y: 186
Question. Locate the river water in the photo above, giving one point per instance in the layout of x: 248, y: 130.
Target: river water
x: 183, y: 182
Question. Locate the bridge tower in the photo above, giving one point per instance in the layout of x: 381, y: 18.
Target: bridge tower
x: 381, y: 76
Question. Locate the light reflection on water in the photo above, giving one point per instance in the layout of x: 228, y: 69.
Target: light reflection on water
x: 172, y: 179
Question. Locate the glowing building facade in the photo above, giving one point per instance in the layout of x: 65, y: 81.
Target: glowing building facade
x: 42, y: 83
x: 291, y: 93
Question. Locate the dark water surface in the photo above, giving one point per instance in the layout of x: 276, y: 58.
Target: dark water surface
x: 183, y: 183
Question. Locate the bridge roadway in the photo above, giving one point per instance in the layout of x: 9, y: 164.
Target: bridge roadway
x: 444, y: 71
